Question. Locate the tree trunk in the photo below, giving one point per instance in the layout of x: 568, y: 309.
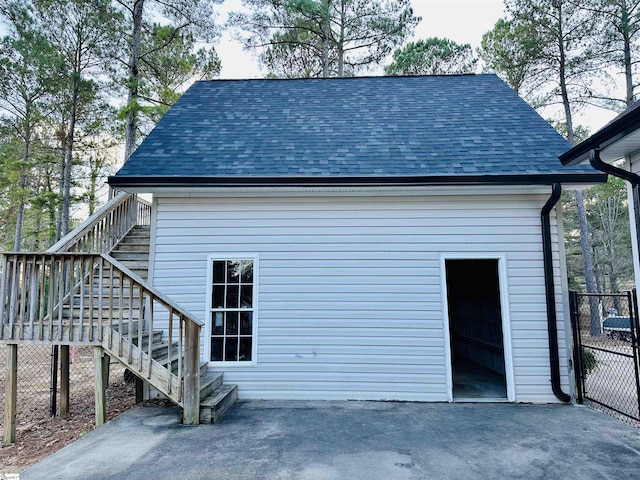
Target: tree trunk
x: 68, y: 157
x: 134, y: 79
x: 628, y: 72
x: 17, y: 241
x: 341, y: 40
x: 563, y: 81
x: 91, y: 200
x: 326, y: 26
x: 589, y: 276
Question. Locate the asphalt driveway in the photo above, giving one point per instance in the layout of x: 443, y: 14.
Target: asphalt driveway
x: 354, y: 441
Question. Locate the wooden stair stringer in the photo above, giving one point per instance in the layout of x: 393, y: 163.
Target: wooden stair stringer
x: 159, y: 376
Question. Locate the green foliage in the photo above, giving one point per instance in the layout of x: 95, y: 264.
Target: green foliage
x: 510, y: 50
x: 171, y: 61
x: 616, y: 40
x: 433, y: 56
x: 313, y: 38
x: 553, y: 50
x: 589, y: 360
x: 609, y: 234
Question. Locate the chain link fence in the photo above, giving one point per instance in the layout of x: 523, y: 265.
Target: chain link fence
x: 35, y: 385
x: 606, y: 353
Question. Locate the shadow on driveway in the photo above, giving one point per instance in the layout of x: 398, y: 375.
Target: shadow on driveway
x: 354, y: 441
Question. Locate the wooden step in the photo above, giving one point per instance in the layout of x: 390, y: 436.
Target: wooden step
x: 132, y: 240
x: 132, y: 246
x: 136, y: 264
x: 116, y: 312
x: 213, y: 407
x: 135, y: 255
x: 97, y: 296
x: 156, y: 338
x: 210, y: 382
x: 140, y: 230
x: 160, y: 352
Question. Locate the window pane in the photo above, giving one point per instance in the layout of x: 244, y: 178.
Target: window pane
x: 233, y: 271
x: 232, y: 323
x: 216, y: 349
x: 217, y: 327
x: 247, y: 271
x: 231, y: 349
x: 233, y: 295
x: 218, y: 272
x: 246, y: 323
x: 246, y: 296
x: 245, y: 349
x: 218, y: 296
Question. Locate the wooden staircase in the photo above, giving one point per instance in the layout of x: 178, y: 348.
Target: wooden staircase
x: 215, y: 397
x: 91, y: 289
x: 133, y: 250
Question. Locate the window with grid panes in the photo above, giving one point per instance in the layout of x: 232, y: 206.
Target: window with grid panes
x: 232, y: 310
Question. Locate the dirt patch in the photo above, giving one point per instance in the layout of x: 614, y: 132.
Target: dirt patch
x: 37, y: 434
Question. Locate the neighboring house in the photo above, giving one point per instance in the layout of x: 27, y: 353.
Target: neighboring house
x: 615, y: 149
x: 386, y: 238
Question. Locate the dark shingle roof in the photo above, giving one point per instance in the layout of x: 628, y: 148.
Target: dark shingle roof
x: 437, y: 127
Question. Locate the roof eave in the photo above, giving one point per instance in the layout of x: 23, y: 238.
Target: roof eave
x: 527, y: 179
x: 611, y: 133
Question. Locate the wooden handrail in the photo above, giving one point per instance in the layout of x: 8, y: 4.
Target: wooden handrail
x: 106, y: 227
x: 158, y: 295
x: 33, y: 284
x: 51, y: 297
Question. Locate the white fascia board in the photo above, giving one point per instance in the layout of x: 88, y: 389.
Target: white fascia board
x: 383, y: 191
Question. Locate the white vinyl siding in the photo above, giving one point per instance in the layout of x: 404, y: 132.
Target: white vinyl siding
x: 350, y: 297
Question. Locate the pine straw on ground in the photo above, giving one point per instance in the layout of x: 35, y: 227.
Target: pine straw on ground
x: 37, y: 439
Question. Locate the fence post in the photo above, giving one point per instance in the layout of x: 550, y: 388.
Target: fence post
x: 11, y: 394
x: 100, y: 363
x: 64, y: 379
x: 577, y: 350
x: 633, y: 323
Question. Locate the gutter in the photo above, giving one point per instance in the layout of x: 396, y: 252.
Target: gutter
x: 626, y: 123
x: 311, y: 181
x: 552, y: 320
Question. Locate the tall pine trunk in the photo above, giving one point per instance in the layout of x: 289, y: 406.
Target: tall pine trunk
x: 133, y: 80
x: 340, y: 45
x: 326, y: 25
x: 17, y: 241
x: 68, y: 157
x: 628, y: 71
x: 585, y: 244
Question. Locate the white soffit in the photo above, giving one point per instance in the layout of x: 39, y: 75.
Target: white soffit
x: 627, y: 145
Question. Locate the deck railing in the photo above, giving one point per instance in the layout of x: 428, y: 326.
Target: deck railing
x: 106, y: 227
x: 103, y: 303
x: 75, y: 293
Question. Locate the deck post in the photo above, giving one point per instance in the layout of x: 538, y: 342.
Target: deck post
x: 191, y: 392
x: 64, y: 380
x: 100, y: 363
x: 11, y: 394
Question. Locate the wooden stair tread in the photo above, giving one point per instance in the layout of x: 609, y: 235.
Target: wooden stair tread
x: 218, y: 395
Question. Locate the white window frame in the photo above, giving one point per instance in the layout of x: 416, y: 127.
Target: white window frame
x: 254, y: 327
x: 503, y: 280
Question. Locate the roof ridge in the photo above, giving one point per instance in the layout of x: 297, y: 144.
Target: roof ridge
x: 327, y: 79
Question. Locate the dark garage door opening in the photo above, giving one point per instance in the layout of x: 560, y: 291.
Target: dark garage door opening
x: 475, y: 328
